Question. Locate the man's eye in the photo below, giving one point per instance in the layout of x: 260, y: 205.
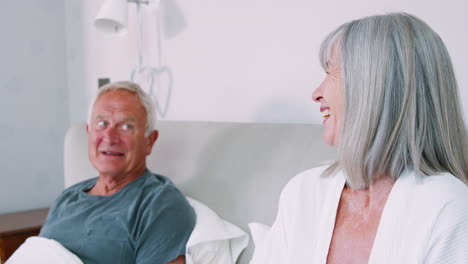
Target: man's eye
x: 101, y: 123
x: 127, y: 127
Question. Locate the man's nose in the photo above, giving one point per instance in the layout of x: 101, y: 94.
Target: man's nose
x: 111, y: 135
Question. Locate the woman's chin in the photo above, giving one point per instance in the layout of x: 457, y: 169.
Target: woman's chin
x: 329, y: 140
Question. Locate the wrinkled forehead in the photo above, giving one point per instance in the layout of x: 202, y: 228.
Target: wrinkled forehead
x: 120, y: 101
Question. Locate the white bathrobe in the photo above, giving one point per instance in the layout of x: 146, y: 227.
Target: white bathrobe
x: 425, y: 220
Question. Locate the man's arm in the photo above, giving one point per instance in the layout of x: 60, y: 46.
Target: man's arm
x: 164, y: 228
x: 179, y: 260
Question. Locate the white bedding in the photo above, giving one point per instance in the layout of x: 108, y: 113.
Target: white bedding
x: 213, y: 240
x: 41, y: 250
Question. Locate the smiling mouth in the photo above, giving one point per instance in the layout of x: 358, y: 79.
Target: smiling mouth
x: 111, y: 153
x: 326, y: 113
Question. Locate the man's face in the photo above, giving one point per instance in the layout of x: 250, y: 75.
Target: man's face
x: 117, y: 145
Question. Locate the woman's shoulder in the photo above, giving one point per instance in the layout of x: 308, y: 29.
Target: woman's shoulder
x: 446, y: 195
x: 309, y: 176
x: 444, y: 186
x: 312, y: 181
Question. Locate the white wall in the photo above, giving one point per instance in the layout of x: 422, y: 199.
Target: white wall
x: 242, y: 60
x: 33, y: 103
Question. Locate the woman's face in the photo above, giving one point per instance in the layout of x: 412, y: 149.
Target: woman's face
x: 330, y: 95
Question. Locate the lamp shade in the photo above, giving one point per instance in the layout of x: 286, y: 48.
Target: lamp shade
x: 112, y: 17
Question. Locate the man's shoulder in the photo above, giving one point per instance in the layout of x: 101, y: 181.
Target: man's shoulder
x: 163, y: 217
x: 155, y: 184
x: 156, y: 180
x: 164, y: 207
x: 159, y: 192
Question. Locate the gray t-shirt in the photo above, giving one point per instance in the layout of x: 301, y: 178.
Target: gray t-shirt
x: 148, y: 221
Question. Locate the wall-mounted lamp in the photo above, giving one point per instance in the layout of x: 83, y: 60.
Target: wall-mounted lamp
x: 112, y: 17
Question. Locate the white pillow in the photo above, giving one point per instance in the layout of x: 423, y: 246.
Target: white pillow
x: 258, y: 232
x: 40, y: 250
x: 213, y: 240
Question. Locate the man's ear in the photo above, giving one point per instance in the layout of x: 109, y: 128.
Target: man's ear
x: 152, y: 137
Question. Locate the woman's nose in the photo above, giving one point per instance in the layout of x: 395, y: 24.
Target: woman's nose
x: 317, y: 94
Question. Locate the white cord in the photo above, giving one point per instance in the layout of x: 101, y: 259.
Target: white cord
x: 152, y: 71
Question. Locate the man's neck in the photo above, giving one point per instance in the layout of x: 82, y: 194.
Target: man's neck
x: 110, y: 184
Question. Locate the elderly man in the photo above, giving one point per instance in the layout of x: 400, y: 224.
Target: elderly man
x: 127, y: 214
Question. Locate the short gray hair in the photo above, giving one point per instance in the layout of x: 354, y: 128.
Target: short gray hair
x: 402, y: 108
x: 143, y: 97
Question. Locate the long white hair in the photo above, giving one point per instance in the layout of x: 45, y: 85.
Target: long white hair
x: 402, y: 108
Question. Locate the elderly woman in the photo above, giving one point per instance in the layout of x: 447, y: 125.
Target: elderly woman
x: 397, y: 193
